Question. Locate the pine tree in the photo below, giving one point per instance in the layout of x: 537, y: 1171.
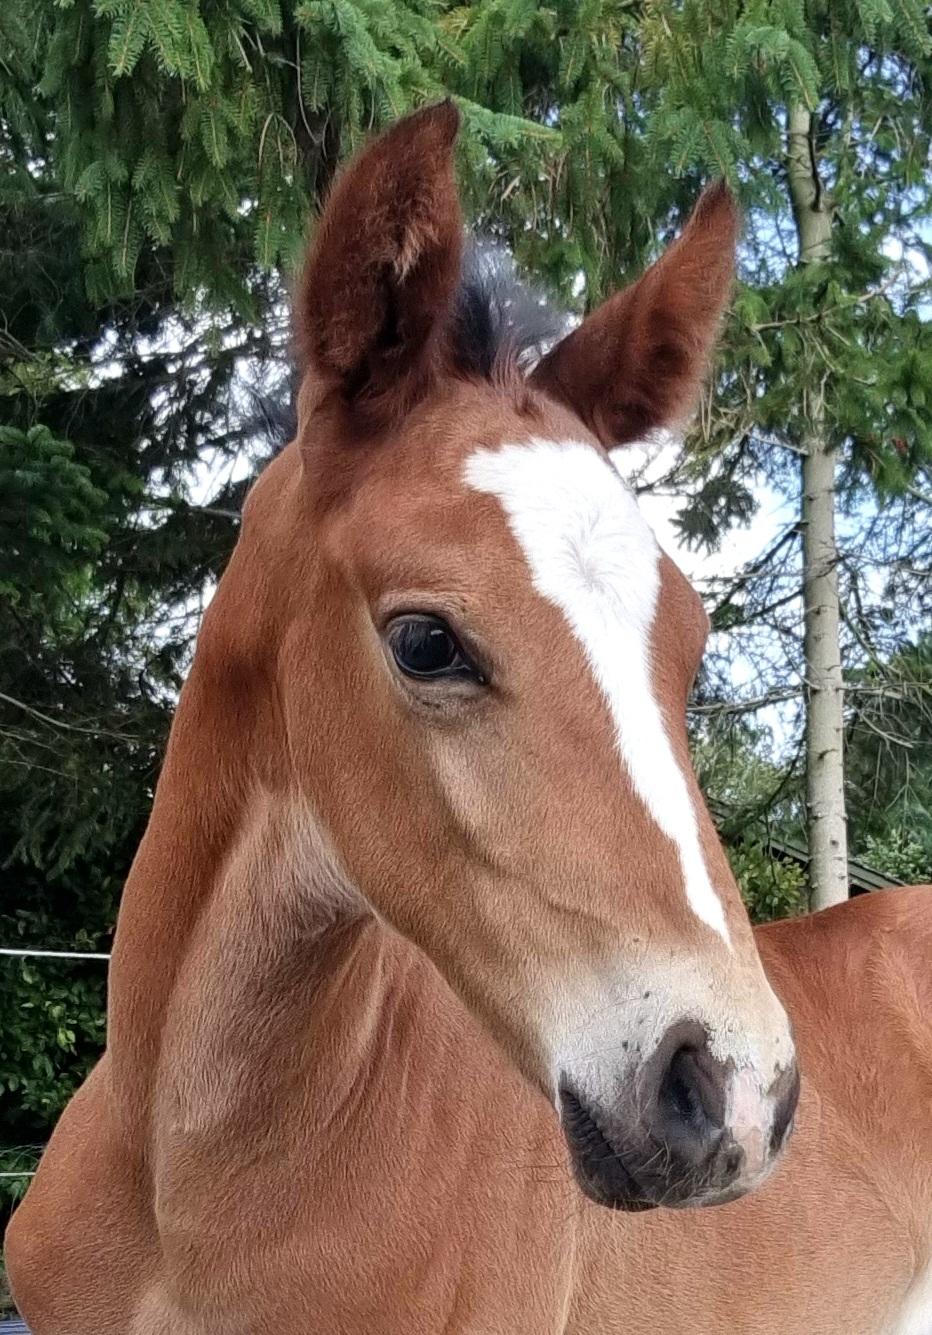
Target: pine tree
x: 821, y: 115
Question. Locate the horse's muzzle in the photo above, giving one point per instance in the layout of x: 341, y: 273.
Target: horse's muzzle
x: 691, y: 1131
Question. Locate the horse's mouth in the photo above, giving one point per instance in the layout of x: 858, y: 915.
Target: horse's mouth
x: 598, y: 1167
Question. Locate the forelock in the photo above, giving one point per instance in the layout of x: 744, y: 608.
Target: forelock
x: 500, y: 324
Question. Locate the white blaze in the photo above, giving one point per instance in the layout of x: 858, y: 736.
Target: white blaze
x: 592, y: 554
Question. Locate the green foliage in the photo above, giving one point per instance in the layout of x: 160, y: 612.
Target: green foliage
x: 772, y: 886
x: 889, y: 749
x: 52, y: 1033
x: 207, y: 131
x: 48, y: 508
x: 899, y: 853
x: 758, y: 801
x: 101, y: 549
x: 723, y: 78
x: 753, y: 799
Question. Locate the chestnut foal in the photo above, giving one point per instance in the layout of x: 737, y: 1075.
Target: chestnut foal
x: 386, y: 931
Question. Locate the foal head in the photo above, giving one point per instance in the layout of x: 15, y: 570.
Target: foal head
x: 481, y: 661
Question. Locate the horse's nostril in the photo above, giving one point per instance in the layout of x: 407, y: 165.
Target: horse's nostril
x: 690, y: 1097
x: 679, y: 1093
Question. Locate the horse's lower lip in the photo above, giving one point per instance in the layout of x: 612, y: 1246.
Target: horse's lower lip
x: 599, y: 1169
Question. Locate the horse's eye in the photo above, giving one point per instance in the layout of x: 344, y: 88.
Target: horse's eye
x: 425, y: 647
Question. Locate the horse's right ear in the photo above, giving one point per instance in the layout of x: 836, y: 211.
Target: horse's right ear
x: 374, y: 299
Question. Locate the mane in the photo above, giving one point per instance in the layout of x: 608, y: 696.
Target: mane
x: 500, y: 327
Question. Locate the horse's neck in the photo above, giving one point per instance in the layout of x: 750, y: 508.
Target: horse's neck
x: 259, y: 958
x: 238, y: 949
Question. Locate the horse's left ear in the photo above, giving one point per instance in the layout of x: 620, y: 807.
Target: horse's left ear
x: 373, y: 301
x: 637, y: 362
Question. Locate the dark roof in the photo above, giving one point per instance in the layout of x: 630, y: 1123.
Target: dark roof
x: 861, y: 877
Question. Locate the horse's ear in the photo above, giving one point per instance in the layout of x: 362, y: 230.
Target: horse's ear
x: 381, y: 274
x: 637, y: 362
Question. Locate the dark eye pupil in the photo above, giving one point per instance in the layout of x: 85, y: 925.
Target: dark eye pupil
x: 424, y: 648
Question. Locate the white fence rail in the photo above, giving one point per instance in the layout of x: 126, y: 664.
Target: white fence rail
x: 52, y: 954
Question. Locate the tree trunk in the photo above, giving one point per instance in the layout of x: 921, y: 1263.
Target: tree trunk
x: 825, y: 773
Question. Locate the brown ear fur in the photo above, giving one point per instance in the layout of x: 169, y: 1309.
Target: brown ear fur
x: 638, y: 361
x: 383, y: 268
